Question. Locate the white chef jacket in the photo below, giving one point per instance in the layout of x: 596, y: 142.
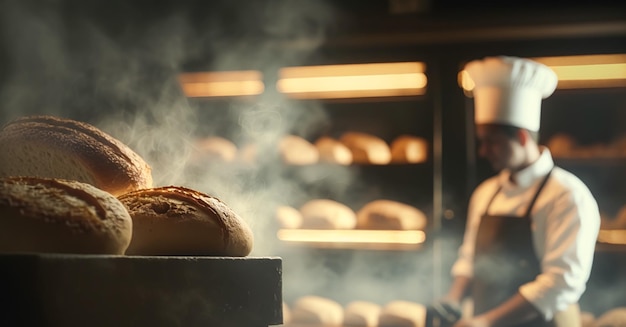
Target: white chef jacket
x: 565, y: 225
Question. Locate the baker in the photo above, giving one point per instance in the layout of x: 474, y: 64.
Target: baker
x: 531, y: 230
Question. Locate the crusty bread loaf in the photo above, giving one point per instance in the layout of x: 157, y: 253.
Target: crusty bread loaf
x: 389, y: 214
x: 361, y: 314
x: 295, y: 150
x: 327, y: 214
x: 41, y: 215
x: 288, y: 217
x: 402, y: 314
x: 52, y: 147
x: 175, y: 220
x: 409, y: 149
x: 366, y: 148
x: 316, y: 310
x: 214, y: 148
x: 333, y: 151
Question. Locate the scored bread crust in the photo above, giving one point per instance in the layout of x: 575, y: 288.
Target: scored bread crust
x: 53, y: 147
x: 40, y: 215
x: 174, y: 220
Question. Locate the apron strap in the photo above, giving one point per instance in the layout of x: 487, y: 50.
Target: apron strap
x: 532, y: 202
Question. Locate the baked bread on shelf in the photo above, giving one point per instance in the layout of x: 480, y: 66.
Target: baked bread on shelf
x: 367, y: 148
x: 174, y: 220
x: 390, y: 215
x: 43, y: 215
x: 409, y: 149
x: 53, y: 147
x: 327, y: 214
x: 317, y: 311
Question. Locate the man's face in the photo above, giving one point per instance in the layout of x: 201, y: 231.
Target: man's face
x: 498, y: 148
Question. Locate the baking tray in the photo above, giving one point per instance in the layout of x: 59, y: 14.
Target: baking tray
x: 101, y: 290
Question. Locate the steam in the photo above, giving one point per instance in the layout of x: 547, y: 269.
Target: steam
x: 95, y: 63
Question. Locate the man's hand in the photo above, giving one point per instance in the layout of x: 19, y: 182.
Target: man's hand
x: 448, y: 312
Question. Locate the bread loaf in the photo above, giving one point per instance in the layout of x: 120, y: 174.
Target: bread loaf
x: 288, y: 217
x: 333, y: 151
x: 41, y: 215
x: 175, y: 220
x: 316, y: 310
x: 389, y: 214
x: 409, y: 149
x: 295, y: 150
x: 327, y: 214
x: 366, y: 148
x: 361, y: 314
x: 214, y: 148
x: 52, y: 147
x: 402, y: 314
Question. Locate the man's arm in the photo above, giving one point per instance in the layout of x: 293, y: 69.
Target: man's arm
x: 458, y: 289
x: 516, y: 308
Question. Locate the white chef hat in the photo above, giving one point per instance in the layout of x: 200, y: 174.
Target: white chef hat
x: 509, y: 90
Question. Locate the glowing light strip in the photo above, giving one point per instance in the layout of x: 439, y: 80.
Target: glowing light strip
x: 353, y: 80
x: 352, y: 236
x: 614, y: 236
x: 590, y: 71
x: 221, y: 84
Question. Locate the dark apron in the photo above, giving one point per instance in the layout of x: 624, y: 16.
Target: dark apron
x: 505, y: 259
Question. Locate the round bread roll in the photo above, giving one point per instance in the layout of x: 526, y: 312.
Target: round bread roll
x: 288, y: 217
x: 367, y: 149
x: 327, y: 214
x: 52, y: 147
x: 402, y: 314
x: 388, y: 214
x: 561, y: 145
x: 316, y: 310
x: 295, y: 150
x: 409, y: 149
x: 333, y: 151
x: 612, y: 318
x: 215, y: 148
x: 361, y: 314
x: 175, y: 220
x: 42, y: 215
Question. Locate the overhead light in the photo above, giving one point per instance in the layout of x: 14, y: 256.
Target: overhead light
x: 575, y: 72
x: 222, y: 84
x: 354, y: 238
x: 592, y: 71
x: 353, y: 80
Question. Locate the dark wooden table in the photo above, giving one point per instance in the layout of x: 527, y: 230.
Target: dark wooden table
x: 99, y: 290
